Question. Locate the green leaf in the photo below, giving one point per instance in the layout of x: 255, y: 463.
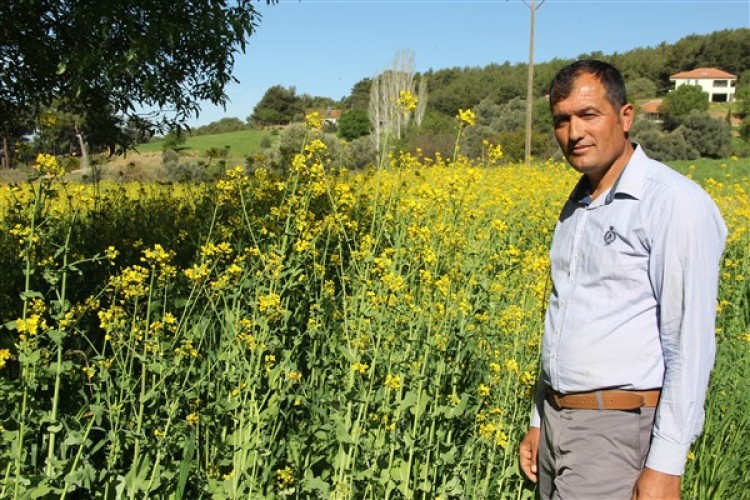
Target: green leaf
x: 56, y: 336
x: 312, y: 483
x: 458, y: 410
x: 42, y: 490
x: 342, y: 434
x: 348, y: 354
x: 409, y: 400
x: 185, y: 465
x: 31, y: 294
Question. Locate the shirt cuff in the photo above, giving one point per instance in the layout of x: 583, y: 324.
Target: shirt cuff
x: 666, y: 457
x: 536, y: 419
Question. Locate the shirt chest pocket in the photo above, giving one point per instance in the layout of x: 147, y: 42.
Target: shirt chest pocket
x: 609, y: 253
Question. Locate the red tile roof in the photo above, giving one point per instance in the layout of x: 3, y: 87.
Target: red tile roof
x: 701, y: 73
x: 651, y: 107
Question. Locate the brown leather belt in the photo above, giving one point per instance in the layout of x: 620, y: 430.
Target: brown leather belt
x: 611, y: 399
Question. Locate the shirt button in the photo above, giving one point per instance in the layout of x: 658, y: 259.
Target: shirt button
x: 571, y: 280
x: 557, y: 331
x: 554, y: 356
x: 562, y: 303
x: 575, y: 257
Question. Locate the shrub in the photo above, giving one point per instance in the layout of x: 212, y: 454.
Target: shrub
x: 665, y: 146
x: 711, y: 137
x: 169, y: 157
x: 361, y: 152
x: 679, y: 104
x: 745, y: 128
x: 189, y: 171
x: 291, y: 141
x: 353, y: 124
x: 514, y: 144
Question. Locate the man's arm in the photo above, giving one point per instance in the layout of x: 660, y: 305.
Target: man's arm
x: 653, y: 484
x: 528, y: 453
x: 687, y: 242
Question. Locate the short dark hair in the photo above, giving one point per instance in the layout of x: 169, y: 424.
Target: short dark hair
x: 614, y: 84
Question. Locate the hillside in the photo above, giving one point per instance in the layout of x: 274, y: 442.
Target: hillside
x: 240, y: 143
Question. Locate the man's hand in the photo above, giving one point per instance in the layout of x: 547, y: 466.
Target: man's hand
x: 653, y: 484
x: 528, y: 453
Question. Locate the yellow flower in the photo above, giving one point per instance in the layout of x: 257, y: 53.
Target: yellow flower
x: 314, y: 120
x: 511, y: 365
x: 89, y: 371
x: 270, y: 305
x: 48, y: 165
x: 360, y: 368
x: 294, y: 376
x: 192, y: 419
x: 407, y: 101
x: 484, y: 390
x: 466, y: 117
x: 111, y: 253
x: 270, y: 362
x: 4, y: 357
x: 393, y: 381
x: 285, y: 477
x: 157, y: 256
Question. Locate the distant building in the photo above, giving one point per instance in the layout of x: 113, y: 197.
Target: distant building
x: 719, y: 84
x: 651, y: 109
x: 333, y: 116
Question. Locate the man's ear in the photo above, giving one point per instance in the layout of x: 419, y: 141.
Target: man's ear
x: 627, y: 115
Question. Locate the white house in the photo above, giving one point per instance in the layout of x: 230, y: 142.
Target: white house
x: 719, y: 84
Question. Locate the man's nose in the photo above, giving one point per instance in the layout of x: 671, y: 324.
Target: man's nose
x: 575, y: 128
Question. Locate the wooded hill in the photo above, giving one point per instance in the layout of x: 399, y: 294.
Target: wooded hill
x: 646, y: 70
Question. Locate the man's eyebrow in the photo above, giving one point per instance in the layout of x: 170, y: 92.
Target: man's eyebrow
x: 577, y: 111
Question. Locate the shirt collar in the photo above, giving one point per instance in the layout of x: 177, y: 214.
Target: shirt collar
x: 629, y: 183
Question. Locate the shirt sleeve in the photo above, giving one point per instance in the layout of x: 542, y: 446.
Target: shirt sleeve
x: 687, y: 242
x: 536, y: 413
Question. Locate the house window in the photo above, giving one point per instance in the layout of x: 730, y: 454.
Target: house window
x: 720, y: 83
x: 719, y: 97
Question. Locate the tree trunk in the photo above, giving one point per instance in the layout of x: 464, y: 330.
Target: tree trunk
x: 6, y: 156
x: 84, y: 153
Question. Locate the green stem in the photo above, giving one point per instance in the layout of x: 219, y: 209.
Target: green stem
x: 24, y: 398
x: 142, y: 394
x: 58, y: 362
x: 78, y: 454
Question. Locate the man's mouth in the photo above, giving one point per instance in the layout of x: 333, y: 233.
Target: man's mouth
x: 580, y: 149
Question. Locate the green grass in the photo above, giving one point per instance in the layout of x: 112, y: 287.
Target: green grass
x: 717, y: 169
x: 241, y: 143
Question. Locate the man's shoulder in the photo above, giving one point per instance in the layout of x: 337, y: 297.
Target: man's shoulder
x: 662, y: 179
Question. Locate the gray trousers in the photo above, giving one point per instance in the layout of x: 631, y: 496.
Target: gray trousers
x: 592, y: 454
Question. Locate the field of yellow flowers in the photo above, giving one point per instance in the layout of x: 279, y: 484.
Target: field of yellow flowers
x: 323, y: 335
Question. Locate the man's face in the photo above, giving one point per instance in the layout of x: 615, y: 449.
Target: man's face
x: 591, y: 133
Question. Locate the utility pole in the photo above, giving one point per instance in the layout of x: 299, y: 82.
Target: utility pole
x: 533, y: 6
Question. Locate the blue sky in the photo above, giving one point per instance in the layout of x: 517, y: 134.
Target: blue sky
x: 323, y: 47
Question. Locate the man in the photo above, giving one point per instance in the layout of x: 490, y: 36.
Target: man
x: 629, y: 333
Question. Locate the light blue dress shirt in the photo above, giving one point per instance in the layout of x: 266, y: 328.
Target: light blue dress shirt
x: 633, y: 305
